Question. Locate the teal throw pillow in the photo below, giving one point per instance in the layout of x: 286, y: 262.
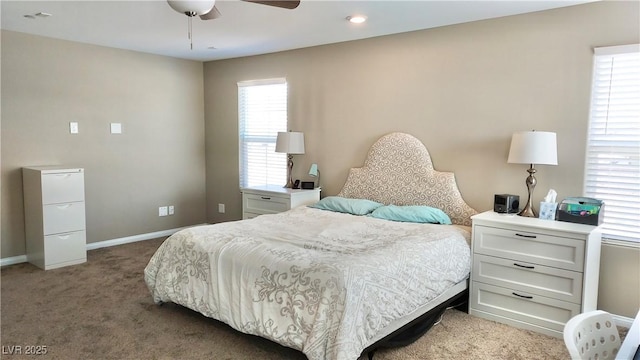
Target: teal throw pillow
x: 346, y: 205
x: 412, y: 213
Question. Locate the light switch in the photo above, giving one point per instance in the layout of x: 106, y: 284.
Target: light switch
x: 73, y: 127
x: 162, y: 211
x: 116, y: 128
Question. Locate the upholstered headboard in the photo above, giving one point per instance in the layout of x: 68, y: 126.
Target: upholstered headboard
x: 398, y: 170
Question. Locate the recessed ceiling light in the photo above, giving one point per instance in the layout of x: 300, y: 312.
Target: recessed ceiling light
x: 357, y: 19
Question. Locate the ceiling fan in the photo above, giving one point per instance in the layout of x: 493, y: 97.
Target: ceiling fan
x: 207, y: 10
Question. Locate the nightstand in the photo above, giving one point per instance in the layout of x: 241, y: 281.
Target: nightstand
x: 274, y: 199
x: 531, y: 273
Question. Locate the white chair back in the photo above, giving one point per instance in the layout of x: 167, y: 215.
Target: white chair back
x: 592, y: 335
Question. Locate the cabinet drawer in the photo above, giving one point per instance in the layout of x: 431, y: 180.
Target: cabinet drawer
x: 61, y: 218
x: 529, y: 308
x: 62, y: 187
x: 265, y: 204
x: 65, y: 249
x: 536, y: 248
x: 531, y: 278
x: 248, y: 215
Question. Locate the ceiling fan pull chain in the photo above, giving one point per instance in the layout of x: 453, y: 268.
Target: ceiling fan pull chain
x: 191, y: 32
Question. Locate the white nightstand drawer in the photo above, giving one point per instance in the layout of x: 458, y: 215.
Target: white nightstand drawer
x: 65, y: 249
x: 272, y: 199
x: 61, y: 218
x: 249, y: 215
x: 532, y: 278
x: 265, y: 204
x: 536, y: 248
x: 520, y: 306
x: 62, y: 187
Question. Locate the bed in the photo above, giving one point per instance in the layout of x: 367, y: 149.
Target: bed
x: 366, y: 268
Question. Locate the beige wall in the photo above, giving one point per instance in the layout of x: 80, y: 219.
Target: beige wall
x: 158, y: 160
x: 462, y: 90
x: 619, y: 289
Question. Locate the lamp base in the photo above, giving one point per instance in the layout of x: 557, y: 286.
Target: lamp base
x: 289, y: 184
x: 528, y: 210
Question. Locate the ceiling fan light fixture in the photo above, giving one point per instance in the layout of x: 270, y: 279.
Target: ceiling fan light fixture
x: 39, y: 14
x: 192, y: 7
x: 357, y: 19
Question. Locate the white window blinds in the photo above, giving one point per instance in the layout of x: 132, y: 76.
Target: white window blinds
x: 612, y: 171
x: 262, y: 113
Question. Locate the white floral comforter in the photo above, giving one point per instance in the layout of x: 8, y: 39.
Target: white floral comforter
x: 320, y: 282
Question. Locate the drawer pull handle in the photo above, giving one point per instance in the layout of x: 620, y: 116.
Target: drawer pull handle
x: 526, y: 236
x: 61, y: 207
x: 524, y: 266
x: 265, y: 198
x: 523, y: 296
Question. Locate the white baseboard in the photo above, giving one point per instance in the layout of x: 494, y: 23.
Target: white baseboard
x: 134, y: 238
x: 622, y: 321
x: 100, y: 244
x: 13, y: 260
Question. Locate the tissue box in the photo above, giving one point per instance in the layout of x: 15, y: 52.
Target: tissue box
x: 581, y: 210
x: 548, y: 210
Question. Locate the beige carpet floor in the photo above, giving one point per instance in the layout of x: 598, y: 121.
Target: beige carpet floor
x: 103, y: 310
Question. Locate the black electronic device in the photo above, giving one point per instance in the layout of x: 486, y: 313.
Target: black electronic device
x: 296, y: 184
x: 308, y: 185
x: 506, y: 203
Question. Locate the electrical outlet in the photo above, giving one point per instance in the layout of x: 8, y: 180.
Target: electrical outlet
x: 221, y: 208
x: 172, y: 210
x: 162, y: 211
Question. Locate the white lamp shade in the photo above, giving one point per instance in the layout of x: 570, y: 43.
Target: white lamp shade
x: 291, y: 142
x: 197, y: 6
x: 533, y: 147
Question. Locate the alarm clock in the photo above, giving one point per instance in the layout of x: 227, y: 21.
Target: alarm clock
x: 506, y: 203
x: 308, y: 185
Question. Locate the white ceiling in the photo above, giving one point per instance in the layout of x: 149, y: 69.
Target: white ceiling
x: 244, y: 28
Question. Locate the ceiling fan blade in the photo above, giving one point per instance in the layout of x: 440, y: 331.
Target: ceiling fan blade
x: 285, y: 4
x: 212, y: 14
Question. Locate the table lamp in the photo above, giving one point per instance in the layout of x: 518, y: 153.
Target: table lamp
x: 315, y: 172
x: 533, y: 147
x: 291, y: 142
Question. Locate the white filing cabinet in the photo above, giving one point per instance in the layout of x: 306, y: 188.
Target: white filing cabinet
x: 54, y: 210
x: 531, y: 273
x: 274, y: 199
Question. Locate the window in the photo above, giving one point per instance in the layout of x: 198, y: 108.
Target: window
x: 262, y: 113
x: 612, y: 170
